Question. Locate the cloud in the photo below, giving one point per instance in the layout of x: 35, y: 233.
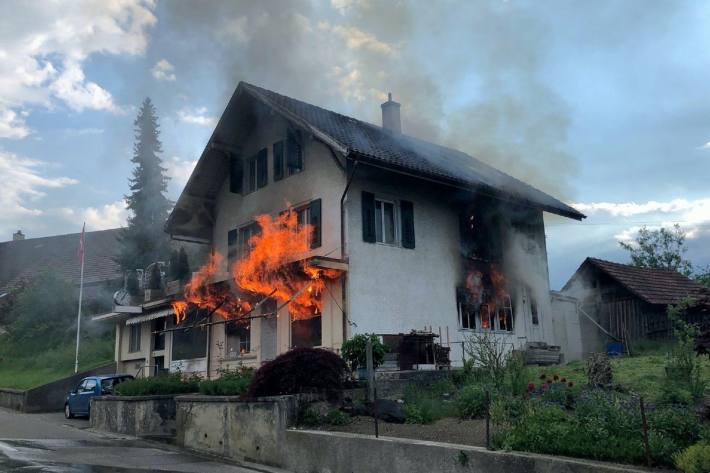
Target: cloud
x: 12, y: 125
x: 163, y: 70
x: 107, y: 216
x: 197, y: 116
x: 24, y: 185
x: 43, y: 47
x: 179, y: 170
x: 84, y: 131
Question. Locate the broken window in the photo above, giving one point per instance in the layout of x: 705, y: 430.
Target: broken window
x: 258, y: 174
x: 134, y: 338
x: 238, y: 336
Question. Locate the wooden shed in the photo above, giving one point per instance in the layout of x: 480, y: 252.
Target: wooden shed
x: 630, y: 303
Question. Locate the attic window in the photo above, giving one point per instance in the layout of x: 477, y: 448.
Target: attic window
x: 258, y: 173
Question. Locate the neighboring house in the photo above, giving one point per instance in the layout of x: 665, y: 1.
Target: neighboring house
x: 428, y: 237
x: 23, y: 258
x: 629, y: 303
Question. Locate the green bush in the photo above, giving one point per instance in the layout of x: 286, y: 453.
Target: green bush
x: 472, y: 402
x: 336, y: 417
x: 507, y: 410
x: 675, y: 394
x: 354, y: 351
x: 694, y: 459
x: 306, y: 416
x: 230, y: 383
x: 422, y: 406
x: 164, y: 384
x: 516, y: 373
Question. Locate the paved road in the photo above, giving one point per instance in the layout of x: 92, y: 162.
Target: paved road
x: 35, y: 443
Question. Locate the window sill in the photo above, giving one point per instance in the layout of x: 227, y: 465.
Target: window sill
x: 478, y: 330
x: 246, y: 356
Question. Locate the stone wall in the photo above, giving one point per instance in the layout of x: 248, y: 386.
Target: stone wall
x: 50, y: 396
x: 140, y: 416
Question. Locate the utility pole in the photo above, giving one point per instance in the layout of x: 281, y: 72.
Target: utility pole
x: 81, y: 291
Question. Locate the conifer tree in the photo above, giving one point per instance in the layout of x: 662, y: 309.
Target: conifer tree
x: 144, y: 241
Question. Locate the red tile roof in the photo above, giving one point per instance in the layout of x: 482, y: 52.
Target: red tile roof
x: 24, y: 259
x: 655, y: 286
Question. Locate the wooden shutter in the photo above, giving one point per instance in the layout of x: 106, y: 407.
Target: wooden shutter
x: 315, y: 217
x: 262, y: 169
x: 406, y: 211
x: 278, y: 160
x: 236, y: 174
x: 368, y: 217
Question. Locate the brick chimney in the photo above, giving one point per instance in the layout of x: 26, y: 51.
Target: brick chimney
x: 390, y: 116
x: 18, y: 236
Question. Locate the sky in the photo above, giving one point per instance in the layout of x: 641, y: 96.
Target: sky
x: 604, y: 105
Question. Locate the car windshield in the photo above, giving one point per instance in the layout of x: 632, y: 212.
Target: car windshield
x: 107, y: 385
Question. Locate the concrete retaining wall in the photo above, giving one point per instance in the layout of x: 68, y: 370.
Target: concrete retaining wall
x: 139, y: 416
x: 50, y: 396
x: 336, y: 452
x: 227, y: 427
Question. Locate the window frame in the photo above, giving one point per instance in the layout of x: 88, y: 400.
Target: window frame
x: 243, y: 344
x: 135, y: 333
x: 395, y: 221
x: 252, y: 171
x: 494, y: 319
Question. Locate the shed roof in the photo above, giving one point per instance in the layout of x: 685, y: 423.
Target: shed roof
x: 24, y: 259
x: 652, y: 285
x: 374, y: 145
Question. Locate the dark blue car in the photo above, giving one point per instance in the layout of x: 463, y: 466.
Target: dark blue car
x: 78, y: 402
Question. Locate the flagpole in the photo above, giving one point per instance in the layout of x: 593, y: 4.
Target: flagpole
x: 78, y: 316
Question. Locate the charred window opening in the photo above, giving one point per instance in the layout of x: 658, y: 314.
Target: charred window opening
x: 307, y: 328
x: 134, y: 338
x: 238, y: 336
x: 190, y: 343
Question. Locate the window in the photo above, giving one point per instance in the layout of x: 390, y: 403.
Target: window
x: 238, y: 337
x: 294, y: 156
x: 388, y: 222
x: 258, y: 174
x: 311, y: 214
x: 306, y: 332
x: 473, y: 315
x: 238, y: 242
x: 90, y: 386
x: 134, y: 338
x: 384, y: 222
x: 467, y: 316
x: 159, y: 334
x: 190, y: 343
x: 236, y: 174
x: 533, y: 311
x: 279, y: 162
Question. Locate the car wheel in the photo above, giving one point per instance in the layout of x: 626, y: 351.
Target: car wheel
x: 67, y: 412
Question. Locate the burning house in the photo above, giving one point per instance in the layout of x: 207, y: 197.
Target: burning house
x: 321, y: 226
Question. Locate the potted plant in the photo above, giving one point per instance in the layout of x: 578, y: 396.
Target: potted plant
x: 354, y: 352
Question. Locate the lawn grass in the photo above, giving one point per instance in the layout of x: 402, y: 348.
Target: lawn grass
x: 643, y: 373
x: 30, y: 371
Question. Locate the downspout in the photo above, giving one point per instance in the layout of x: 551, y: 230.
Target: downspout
x: 209, y: 347
x: 343, y: 252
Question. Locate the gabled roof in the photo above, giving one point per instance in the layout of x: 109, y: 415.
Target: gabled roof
x: 356, y: 140
x: 24, y: 259
x: 653, y: 285
x: 372, y: 143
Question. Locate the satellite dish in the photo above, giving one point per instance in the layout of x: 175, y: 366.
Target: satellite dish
x: 121, y: 297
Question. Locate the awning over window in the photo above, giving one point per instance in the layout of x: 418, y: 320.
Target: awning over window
x: 158, y: 314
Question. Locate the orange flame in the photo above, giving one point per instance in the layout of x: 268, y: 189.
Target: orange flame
x: 273, y: 266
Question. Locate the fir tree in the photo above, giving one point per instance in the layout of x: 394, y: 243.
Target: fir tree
x: 144, y: 241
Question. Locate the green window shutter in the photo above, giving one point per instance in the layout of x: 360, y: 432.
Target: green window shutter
x: 278, y: 160
x: 236, y: 174
x: 368, y: 217
x: 406, y: 210
x: 315, y: 217
x: 262, y: 169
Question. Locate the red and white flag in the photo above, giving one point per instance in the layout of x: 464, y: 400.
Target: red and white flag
x: 80, y: 250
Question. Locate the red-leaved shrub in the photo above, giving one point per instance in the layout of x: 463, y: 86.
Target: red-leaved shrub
x: 297, y: 371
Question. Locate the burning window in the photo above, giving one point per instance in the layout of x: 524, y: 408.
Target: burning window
x: 134, y: 338
x: 483, y: 302
x: 384, y: 222
x: 238, y: 336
